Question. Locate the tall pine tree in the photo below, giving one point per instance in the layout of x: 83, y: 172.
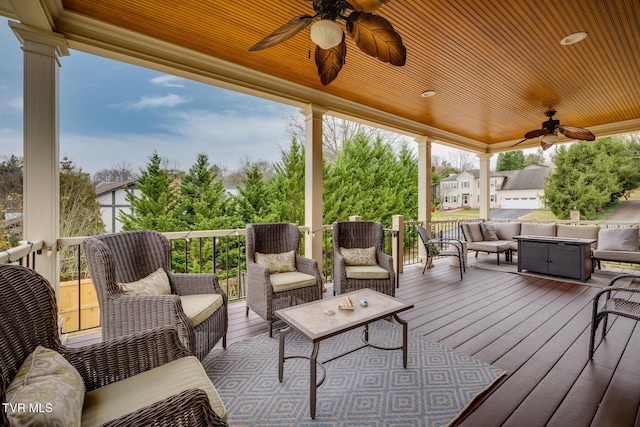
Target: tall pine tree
x: 253, y: 202
x: 286, y: 188
x: 154, y: 208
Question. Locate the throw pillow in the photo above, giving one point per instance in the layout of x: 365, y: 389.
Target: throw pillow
x: 618, y: 239
x: 359, y: 256
x: 278, y: 263
x: 157, y: 283
x: 488, y: 231
x: 46, y: 391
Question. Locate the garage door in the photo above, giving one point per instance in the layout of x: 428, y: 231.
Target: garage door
x: 520, y: 203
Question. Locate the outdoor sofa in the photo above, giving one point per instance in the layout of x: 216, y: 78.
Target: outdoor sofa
x: 617, y: 244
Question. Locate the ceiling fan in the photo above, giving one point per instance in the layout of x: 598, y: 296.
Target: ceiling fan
x: 550, y: 130
x: 373, y: 34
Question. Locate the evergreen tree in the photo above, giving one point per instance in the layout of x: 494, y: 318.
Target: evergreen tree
x: 360, y: 182
x: 202, y: 206
x: 253, y: 203
x: 510, y: 160
x: 405, y: 181
x: 286, y: 188
x: 589, y: 176
x: 202, y: 203
x: 154, y: 208
x: 536, y: 158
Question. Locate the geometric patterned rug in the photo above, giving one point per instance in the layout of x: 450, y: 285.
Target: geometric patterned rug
x: 368, y: 387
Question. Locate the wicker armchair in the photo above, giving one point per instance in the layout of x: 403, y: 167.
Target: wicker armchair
x: 130, y: 256
x: 118, y: 390
x: 349, y: 276
x: 268, y: 291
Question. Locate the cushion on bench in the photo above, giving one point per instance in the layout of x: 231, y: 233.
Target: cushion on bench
x: 506, y: 230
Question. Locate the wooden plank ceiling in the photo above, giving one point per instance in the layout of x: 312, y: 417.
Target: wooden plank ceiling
x: 496, y: 65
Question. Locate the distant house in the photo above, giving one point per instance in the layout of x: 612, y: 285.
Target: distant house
x: 112, y: 199
x: 518, y: 189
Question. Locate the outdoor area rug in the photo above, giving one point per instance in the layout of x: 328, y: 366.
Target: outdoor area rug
x: 367, y: 387
x: 598, y: 279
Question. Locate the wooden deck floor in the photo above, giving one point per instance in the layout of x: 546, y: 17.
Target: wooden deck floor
x: 535, y: 329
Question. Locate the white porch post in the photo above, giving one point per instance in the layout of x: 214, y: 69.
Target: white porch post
x: 313, y: 181
x: 41, y: 189
x: 485, y: 189
x: 424, y: 186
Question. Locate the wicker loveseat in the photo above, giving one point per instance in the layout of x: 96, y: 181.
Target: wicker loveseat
x: 148, y: 378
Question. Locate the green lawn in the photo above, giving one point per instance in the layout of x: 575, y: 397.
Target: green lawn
x: 474, y: 214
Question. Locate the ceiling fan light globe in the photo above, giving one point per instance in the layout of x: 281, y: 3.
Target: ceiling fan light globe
x: 326, y: 33
x: 549, y: 138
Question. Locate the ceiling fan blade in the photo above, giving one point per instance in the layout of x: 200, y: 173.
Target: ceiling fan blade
x: 576, y: 133
x: 330, y: 61
x: 535, y: 133
x: 283, y: 33
x: 366, y: 5
x: 519, y: 142
x: 375, y: 36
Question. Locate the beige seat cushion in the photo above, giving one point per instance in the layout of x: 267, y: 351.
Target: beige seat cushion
x: 281, y: 282
x: 366, y: 272
x: 124, y: 397
x: 494, y: 246
x: 619, y: 256
x: 199, y: 308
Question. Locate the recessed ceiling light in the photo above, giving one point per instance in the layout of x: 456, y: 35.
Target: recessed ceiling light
x: 428, y: 93
x: 573, y: 38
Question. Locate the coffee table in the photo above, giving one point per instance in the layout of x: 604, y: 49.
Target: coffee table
x: 311, y: 321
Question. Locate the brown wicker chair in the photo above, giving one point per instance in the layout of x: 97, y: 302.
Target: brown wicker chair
x: 29, y: 315
x: 348, y: 278
x: 268, y: 292
x: 130, y: 256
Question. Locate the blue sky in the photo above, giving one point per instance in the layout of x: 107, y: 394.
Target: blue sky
x: 112, y: 112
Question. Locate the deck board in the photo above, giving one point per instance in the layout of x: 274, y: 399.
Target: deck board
x: 537, y: 329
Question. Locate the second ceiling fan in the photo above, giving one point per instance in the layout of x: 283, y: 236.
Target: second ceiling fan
x: 373, y: 34
x: 550, y: 130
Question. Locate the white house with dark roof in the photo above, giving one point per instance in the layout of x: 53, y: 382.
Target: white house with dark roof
x: 517, y: 189
x: 112, y: 199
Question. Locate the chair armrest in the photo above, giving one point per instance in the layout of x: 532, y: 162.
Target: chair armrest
x: 114, y: 360
x: 610, y: 288
x: 189, y: 408
x: 309, y: 266
x: 448, y: 243
x: 163, y: 310
x: 258, y: 276
x: 385, y: 261
x: 195, y: 284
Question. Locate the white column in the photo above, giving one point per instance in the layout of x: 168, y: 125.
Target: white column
x: 424, y: 186
x: 485, y: 189
x: 41, y: 189
x: 313, y: 181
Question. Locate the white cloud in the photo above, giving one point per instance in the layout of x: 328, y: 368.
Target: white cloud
x: 12, y: 105
x: 171, y: 100
x: 225, y: 137
x: 168, y: 80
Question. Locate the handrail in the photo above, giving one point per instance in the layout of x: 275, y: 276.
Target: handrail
x: 24, y: 249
